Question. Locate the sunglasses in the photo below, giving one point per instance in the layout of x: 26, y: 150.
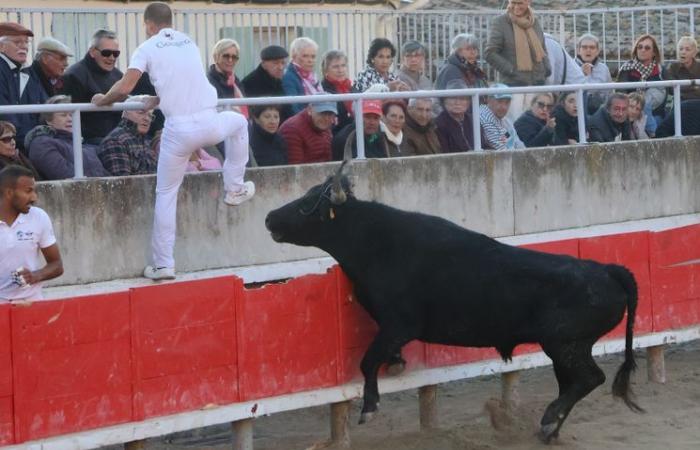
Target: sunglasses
x: 230, y: 56
x: 543, y: 105
x: 107, y: 53
x: 644, y: 47
x: 7, y: 139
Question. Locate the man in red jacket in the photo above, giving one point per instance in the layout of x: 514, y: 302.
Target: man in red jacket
x: 308, y: 133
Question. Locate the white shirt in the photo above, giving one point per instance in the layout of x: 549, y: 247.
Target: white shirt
x: 20, y: 246
x: 560, y: 60
x: 173, y: 63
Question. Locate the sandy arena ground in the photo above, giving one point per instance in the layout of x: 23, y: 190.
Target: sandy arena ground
x: 672, y: 421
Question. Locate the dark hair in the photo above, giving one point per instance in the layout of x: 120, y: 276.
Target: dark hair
x: 615, y: 96
x: 10, y: 174
x: 158, y: 13
x: 257, y: 110
x: 376, y: 45
x: 388, y: 104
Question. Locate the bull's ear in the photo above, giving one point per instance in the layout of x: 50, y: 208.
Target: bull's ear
x: 338, y: 196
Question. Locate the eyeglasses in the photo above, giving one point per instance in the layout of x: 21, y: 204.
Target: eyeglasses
x: 230, y: 56
x: 644, y: 47
x: 543, y: 105
x: 7, y: 139
x: 107, y: 53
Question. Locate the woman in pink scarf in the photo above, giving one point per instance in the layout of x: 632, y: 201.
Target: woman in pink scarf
x: 335, y: 81
x: 222, y: 75
x: 299, y: 77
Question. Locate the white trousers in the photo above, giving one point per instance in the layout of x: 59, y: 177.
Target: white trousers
x: 182, y: 135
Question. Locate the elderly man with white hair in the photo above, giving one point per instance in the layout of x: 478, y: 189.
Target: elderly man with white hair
x: 127, y: 150
x: 462, y: 64
x: 687, y: 67
x: 299, y: 77
x: 50, y: 62
x: 420, y: 131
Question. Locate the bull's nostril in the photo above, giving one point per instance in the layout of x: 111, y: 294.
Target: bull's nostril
x: 267, y: 222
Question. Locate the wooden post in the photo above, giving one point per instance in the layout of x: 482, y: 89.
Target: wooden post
x: 135, y: 445
x: 243, y: 434
x: 427, y: 397
x: 340, y: 431
x: 509, y: 390
x: 656, y: 367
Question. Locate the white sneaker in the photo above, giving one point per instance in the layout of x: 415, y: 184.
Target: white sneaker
x: 160, y: 273
x: 236, y: 198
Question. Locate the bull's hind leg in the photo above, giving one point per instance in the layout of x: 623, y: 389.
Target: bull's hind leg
x: 577, y: 375
x: 396, y: 364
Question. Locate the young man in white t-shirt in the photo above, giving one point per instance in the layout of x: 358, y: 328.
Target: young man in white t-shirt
x: 188, y: 102
x: 25, y: 235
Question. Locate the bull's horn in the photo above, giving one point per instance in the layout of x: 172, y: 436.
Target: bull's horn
x: 338, y: 196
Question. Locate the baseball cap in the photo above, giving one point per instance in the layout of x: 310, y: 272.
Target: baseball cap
x: 500, y: 96
x: 273, y: 52
x: 53, y: 45
x: 372, y: 107
x: 325, y: 107
x: 14, y: 29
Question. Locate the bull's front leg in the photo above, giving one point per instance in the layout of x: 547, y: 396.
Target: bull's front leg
x: 385, y: 345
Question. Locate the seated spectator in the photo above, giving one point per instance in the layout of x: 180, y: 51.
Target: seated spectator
x: 690, y: 123
x: 308, y: 133
x: 299, y: 77
x: 610, y: 123
x: 499, y: 133
x: 455, y: 127
x: 687, y: 67
x: 566, y: 115
x: 535, y: 127
x: 221, y: 74
x: 645, y: 65
x: 564, y: 67
x: 420, y: 131
x: 376, y: 146
x: 50, y: 62
x: 594, y: 70
x: 266, y: 79
x: 462, y: 64
x: 50, y: 146
x: 380, y: 57
x: 637, y: 117
x: 9, y: 154
x: 335, y: 81
x: 267, y: 145
x: 18, y: 86
x: 128, y: 150
x: 412, y: 67
x: 393, y: 120
x: 201, y: 161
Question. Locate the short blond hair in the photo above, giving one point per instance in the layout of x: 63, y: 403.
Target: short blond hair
x: 223, y: 45
x: 300, y: 43
x: 687, y: 40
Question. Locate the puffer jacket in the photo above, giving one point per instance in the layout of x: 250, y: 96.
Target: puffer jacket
x: 51, y: 152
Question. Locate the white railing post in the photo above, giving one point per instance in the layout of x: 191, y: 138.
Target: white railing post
x: 359, y: 129
x: 476, y: 123
x: 77, y: 146
x: 581, y: 117
x: 677, y: 110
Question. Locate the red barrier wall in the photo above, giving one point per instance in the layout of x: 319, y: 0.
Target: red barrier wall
x: 7, y: 432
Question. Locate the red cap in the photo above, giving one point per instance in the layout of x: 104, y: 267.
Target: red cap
x: 14, y: 29
x: 372, y: 107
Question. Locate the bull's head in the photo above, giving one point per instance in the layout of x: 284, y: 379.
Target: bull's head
x: 305, y: 221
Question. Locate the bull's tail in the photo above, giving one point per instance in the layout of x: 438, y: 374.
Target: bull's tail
x: 621, y: 385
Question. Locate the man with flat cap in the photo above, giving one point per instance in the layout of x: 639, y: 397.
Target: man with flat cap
x: 17, y: 85
x: 266, y: 79
x: 50, y: 62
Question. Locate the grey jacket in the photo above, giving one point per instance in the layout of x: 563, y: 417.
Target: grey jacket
x: 500, y: 54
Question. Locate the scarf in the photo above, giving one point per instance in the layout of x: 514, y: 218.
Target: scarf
x: 526, y: 40
x: 231, y: 82
x: 644, y: 71
x: 343, y: 86
x: 391, y: 137
x: 308, y: 80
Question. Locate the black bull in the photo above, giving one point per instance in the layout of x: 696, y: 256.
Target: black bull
x: 423, y: 277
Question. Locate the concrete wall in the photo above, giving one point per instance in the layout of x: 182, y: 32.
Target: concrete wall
x: 103, y: 225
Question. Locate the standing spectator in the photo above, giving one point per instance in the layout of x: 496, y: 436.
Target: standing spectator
x: 221, y: 74
x: 308, y: 133
x: 50, y: 63
x: 299, y: 77
x: 9, y: 154
x: 50, y: 146
x: 26, y: 238
x: 128, y: 150
x: 412, y: 70
x: 610, y: 123
x: 455, y: 127
x: 516, y: 49
x: 535, y: 127
x: 380, y: 57
x: 393, y: 120
x: 335, y: 81
x: 268, y: 146
x: 266, y: 79
x: 376, y: 145
x: 462, y: 64
x: 17, y: 86
x: 499, y: 133
x: 687, y: 67
x: 420, y: 131
x: 594, y: 70
x: 637, y: 117
x: 645, y: 65
x: 96, y: 73
x: 566, y: 115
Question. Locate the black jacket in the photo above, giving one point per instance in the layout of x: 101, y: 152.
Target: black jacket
x: 50, y: 89
x: 567, y: 126
x: 376, y: 145
x: 455, y: 136
x: 601, y: 127
x: 269, y: 149
x: 690, y: 123
x: 219, y: 81
x: 259, y: 83
x: 533, y: 131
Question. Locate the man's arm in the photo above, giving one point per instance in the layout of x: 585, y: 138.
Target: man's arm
x: 52, y: 269
x: 120, y: 90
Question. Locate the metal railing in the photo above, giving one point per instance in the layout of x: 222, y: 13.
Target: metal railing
x: 357, y: 99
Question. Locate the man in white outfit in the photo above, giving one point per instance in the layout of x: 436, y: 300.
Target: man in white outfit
x: 188, y: 101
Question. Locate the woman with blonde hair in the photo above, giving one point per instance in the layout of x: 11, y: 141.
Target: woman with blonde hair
x: 221, y: 74
x: 687, y: 67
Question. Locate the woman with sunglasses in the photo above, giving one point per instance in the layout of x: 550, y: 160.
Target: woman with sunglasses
x: 9, y: 154
x: 535, y: 127
x: 645, y: 65
x: 222, y: 74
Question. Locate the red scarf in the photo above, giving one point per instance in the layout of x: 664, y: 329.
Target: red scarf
x: 231, y: 82
x: 342, y: 87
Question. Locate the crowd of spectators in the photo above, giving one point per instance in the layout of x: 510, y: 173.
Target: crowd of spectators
x: 517, y: 50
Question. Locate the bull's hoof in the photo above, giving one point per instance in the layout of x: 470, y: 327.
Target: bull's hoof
x: 548, y: 432
x: 396, y: 369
